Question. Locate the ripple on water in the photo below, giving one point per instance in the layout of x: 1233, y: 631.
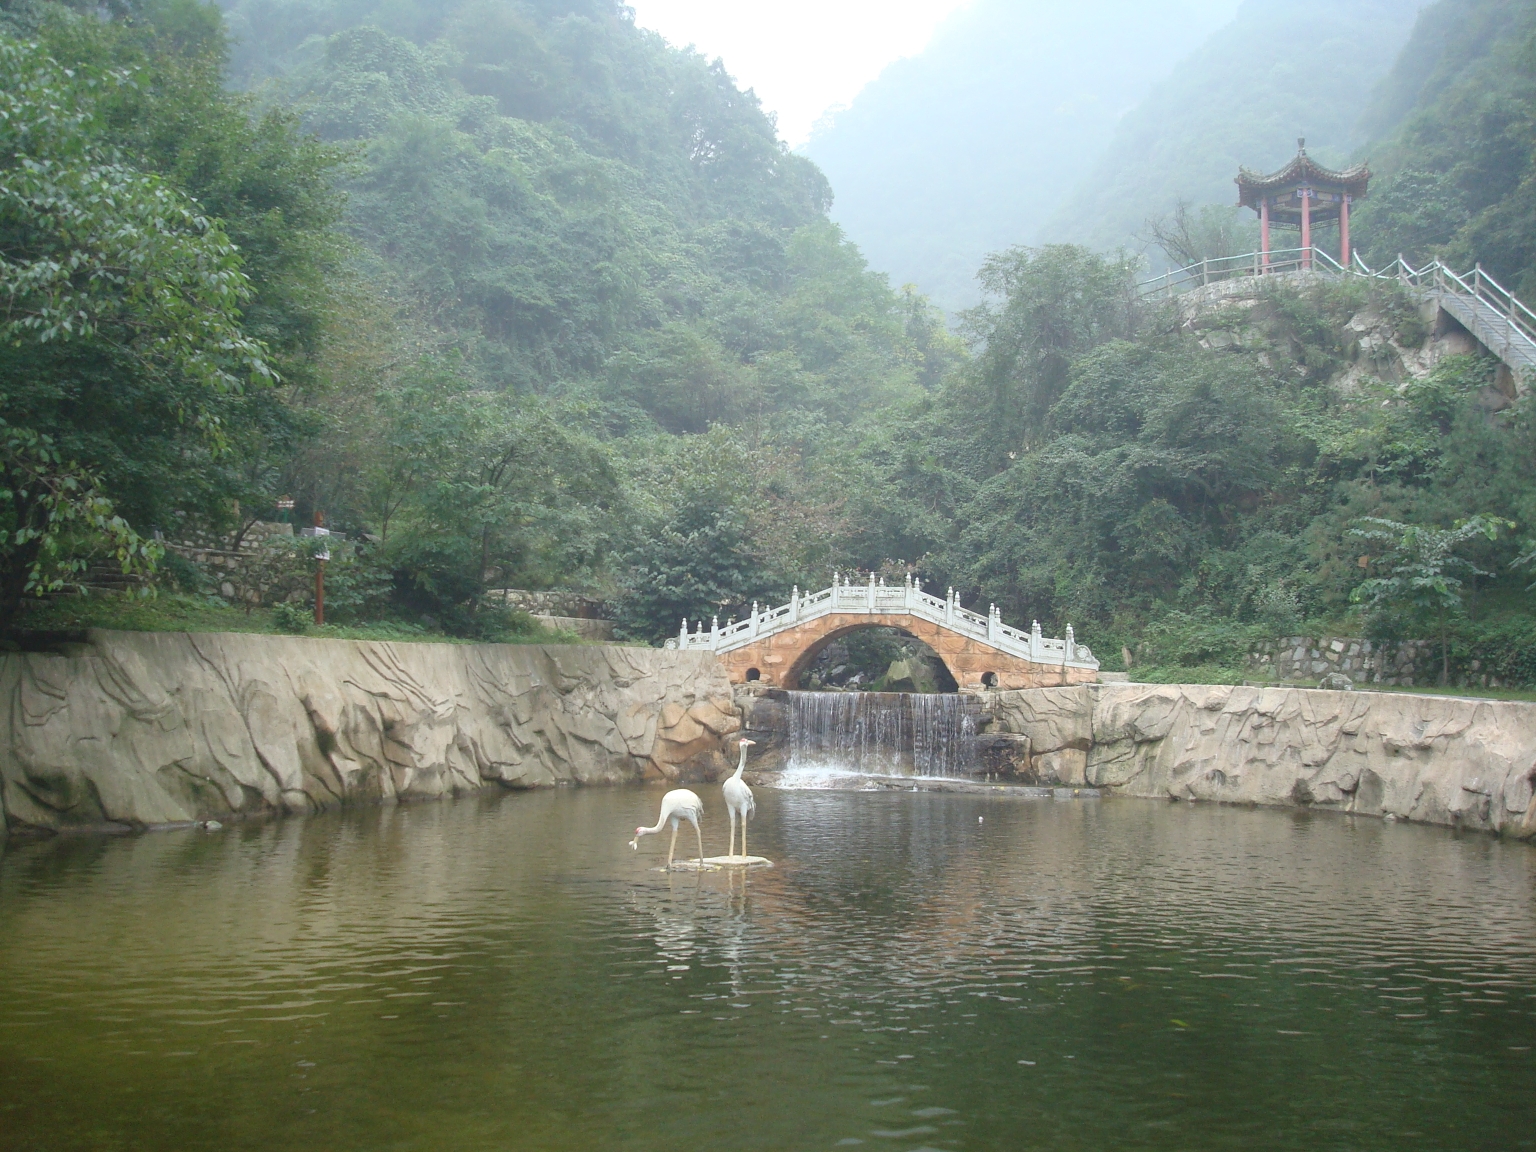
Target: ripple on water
x: 508, y: 974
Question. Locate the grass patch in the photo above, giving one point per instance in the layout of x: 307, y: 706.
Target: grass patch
x: 172, y: 612
x: 1179, y: 674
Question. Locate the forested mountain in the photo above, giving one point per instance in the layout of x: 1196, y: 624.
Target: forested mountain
x: 510, y: 263
x: 967, y: 147
x: 518, y: 295
x: 1274, y: 73
x: 1453, y: 130
x: 1030, y: 122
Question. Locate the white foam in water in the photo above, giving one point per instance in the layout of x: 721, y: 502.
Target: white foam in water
x: 808, y: 775
x: 837, y: 735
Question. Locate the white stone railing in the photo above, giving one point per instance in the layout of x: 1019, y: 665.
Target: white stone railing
x: 878, y: 599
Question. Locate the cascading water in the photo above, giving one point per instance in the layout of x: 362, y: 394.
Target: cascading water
x: 880, y: 733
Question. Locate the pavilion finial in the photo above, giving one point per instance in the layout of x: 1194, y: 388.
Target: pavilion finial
x: 1301, y: 145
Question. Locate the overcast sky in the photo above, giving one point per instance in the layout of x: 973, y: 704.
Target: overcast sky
x: 802, y: 57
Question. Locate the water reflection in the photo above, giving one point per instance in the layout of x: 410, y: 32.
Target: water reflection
x: 508, y: 974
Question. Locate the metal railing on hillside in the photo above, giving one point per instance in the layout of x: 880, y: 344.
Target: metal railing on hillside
x: 1498, y: 318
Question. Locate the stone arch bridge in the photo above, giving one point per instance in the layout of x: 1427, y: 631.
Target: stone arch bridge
x: 777, y: 644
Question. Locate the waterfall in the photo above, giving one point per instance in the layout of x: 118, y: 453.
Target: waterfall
x: 881, y: 733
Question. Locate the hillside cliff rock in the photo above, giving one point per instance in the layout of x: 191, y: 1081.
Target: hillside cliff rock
x: 1436, y: 759
x: 144, y: 728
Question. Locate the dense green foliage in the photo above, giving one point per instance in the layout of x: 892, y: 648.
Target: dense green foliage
x: 519, y: 296
x: 490, y: 273
x: 1456, y: 154
x: 1188, y: 491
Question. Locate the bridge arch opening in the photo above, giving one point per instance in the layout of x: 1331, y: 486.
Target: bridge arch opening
x: 873, y: 657
x: 989, y: 679
x: 754, y: 674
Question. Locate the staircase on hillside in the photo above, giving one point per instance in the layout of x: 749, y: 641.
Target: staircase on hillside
x: 1478, y: 302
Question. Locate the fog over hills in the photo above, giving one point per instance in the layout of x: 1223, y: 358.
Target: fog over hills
x: 1276, y: 72
x: 1025, y: 121
x: 968, y: 146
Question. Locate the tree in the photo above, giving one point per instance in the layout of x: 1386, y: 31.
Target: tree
x: 1422, y: 560
x: 120, y: 339
x: 1188, y: 236
x: 1046, y: 307
x: 55, y: 522
x: 700, y: 564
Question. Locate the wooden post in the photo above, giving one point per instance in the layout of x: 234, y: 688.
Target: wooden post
x: 1344, y: 232
x: 1306, y: 226
x: 1264, y: 231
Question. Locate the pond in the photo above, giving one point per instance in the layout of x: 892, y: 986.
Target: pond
x: 505, y: 973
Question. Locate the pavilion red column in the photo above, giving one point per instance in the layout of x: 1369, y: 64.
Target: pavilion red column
x: 1344, y: 253
x: 1306, y: 227
x: 1264, y: 230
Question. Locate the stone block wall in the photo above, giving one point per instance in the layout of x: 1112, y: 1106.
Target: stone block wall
x: 1311, y: 658
x: 575, y: 605
x: 226, y: 563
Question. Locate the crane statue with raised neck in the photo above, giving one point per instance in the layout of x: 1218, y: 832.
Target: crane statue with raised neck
x: 677, y: 805
x: 738, y: 800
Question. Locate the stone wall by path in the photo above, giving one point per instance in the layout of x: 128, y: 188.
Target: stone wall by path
x: 1404, y: 663
x: 1436, y: 759
x: 132, y: 729
x: 571, y: 604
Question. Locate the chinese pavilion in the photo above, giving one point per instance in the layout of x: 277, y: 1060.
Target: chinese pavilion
x: 1302, y: 194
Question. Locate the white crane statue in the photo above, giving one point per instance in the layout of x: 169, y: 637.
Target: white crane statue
x: 677, y: 805
x: 738, y: 800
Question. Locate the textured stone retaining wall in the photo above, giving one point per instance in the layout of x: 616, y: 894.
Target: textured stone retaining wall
x: 1437, y: 759
x: 133, y: 729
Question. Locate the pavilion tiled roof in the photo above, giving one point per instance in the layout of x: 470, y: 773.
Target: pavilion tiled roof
x: 1254, y: 186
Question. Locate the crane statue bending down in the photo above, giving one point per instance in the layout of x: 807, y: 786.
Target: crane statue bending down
x: 677, y: 805
x: 738, y: 800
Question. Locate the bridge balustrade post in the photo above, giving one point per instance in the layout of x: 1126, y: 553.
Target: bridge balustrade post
x: 714, y: 633
x: 682, y: 635
x: 794, y: 603
x: 1071, y: 644
x: 991, y: 623
x: 949, y: 606
x: 752, y: 631
x: 1035, y: 646
x: 871, y: 596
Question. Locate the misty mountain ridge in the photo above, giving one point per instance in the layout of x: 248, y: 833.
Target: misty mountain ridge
x: 928, y: 161
x: 1028, y: 123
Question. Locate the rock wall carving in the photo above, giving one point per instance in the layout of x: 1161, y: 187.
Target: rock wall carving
x: 136, y: 729
x: 1436, y: 759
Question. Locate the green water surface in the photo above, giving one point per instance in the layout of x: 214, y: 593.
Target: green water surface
x: 507, y: 974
